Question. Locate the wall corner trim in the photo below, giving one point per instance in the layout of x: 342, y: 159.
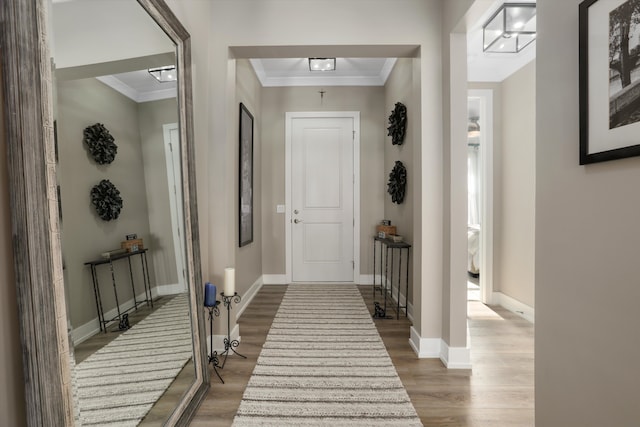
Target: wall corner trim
x: 514, y: 306
x: 436, y: 348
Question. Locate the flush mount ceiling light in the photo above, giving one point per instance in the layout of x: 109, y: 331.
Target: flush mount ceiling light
x: 510, y: 29
x: 322, y: 64
x: 164, y: 74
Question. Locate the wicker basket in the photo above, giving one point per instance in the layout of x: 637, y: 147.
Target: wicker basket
x: 387, y: 229
x: 132, y: 245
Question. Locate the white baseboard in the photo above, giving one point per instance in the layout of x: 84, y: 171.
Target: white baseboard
x: 514, y: 306
x: 436, y: 348
x: 92, y: 327
x: 455, y: 357
x: 367, y: 279
x: 425, y: 348
x: 173, y: 289
x: 274, y: 279
x: 248, y: 296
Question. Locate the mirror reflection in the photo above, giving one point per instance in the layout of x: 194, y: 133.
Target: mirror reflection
x: 119, y: 175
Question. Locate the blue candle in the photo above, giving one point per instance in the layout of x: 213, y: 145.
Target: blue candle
x: 210, y: 293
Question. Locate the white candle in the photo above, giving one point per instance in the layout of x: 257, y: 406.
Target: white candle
x: 229, y: 281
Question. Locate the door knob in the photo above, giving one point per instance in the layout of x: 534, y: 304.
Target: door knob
x: 296, y: 211
x: 297, y: 220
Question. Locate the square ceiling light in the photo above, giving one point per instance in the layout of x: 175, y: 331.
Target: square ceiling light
x: 164, y: 74
x: 510, y: 29
x: 322, y: 64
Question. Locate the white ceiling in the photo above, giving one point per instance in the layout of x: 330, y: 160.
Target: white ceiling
x: 140, y: 86
x: 349, y: 72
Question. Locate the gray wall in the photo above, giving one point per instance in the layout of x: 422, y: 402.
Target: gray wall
x: 514, y: 139
x: 84, y: 235
x: 249, y: 258
x: 515, y: 243
x: 399, y: 88
x: 12, y: 400
x: 151, y: 117
x: 275, y: 103
x: 586, y: 270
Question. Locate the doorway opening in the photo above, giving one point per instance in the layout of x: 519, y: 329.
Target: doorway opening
x: 480, y: 195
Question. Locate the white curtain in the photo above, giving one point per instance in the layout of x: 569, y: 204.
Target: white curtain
x: 473, y: 185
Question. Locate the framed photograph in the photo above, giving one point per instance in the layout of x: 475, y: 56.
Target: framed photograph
x: 609, y: 80
x: 246, y: 176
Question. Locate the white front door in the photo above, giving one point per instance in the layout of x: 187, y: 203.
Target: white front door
x: 322, y: 199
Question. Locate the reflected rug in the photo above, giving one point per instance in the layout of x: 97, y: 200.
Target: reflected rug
x: 118, y: 384
x: 324, y: 364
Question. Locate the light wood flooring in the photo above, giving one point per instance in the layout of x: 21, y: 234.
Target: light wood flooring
x: 498, y: 392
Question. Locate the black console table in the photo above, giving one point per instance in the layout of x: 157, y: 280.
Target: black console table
x: 121, y: 317
x: 386, y: 258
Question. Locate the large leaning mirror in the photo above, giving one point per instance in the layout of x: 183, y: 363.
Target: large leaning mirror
x: 98, y: 98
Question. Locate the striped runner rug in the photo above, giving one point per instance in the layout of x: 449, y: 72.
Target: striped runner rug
x: 324, y: 364
x: 118, y: 384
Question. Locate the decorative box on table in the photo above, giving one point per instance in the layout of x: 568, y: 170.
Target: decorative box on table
x: 132, y: 245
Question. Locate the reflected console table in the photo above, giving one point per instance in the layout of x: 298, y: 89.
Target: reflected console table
x: 390, y: 252
x: 121, y: 316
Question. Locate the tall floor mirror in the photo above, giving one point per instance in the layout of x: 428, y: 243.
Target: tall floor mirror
x: 97, y: 102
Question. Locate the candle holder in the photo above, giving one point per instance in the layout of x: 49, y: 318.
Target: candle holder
x: 213, y: 355
x: 229, y: 344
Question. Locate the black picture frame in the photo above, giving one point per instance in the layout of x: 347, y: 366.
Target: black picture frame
x: 245, y: 206
x: 609, y: 130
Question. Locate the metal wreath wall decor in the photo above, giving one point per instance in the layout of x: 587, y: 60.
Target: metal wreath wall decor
x: 398, y: 124
x: 397, y: 184
x: 106, y: 199
x: 100, y: 143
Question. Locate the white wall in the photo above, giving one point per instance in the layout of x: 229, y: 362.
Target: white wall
x: 97, y: 31
x: 586, y: 269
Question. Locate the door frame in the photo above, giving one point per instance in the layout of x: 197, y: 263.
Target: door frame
x: 176, y: 216
x: 486, y: 192
x: 289, y: 117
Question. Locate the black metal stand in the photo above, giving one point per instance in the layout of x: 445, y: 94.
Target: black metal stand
x: 387, y: 249
x: 213, y: 355
x: 122, y: 317
x: 229, y: 344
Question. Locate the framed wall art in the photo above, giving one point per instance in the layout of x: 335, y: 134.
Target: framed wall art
x: 246, y: 176
x: 609, y: 80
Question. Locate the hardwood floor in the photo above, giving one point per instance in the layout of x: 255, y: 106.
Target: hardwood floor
x: 498, y: 392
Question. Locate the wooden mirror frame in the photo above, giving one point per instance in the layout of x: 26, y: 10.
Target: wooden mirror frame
x: 27, y: 93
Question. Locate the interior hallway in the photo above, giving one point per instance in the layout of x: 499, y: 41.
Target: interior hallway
x: 498, y: 392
